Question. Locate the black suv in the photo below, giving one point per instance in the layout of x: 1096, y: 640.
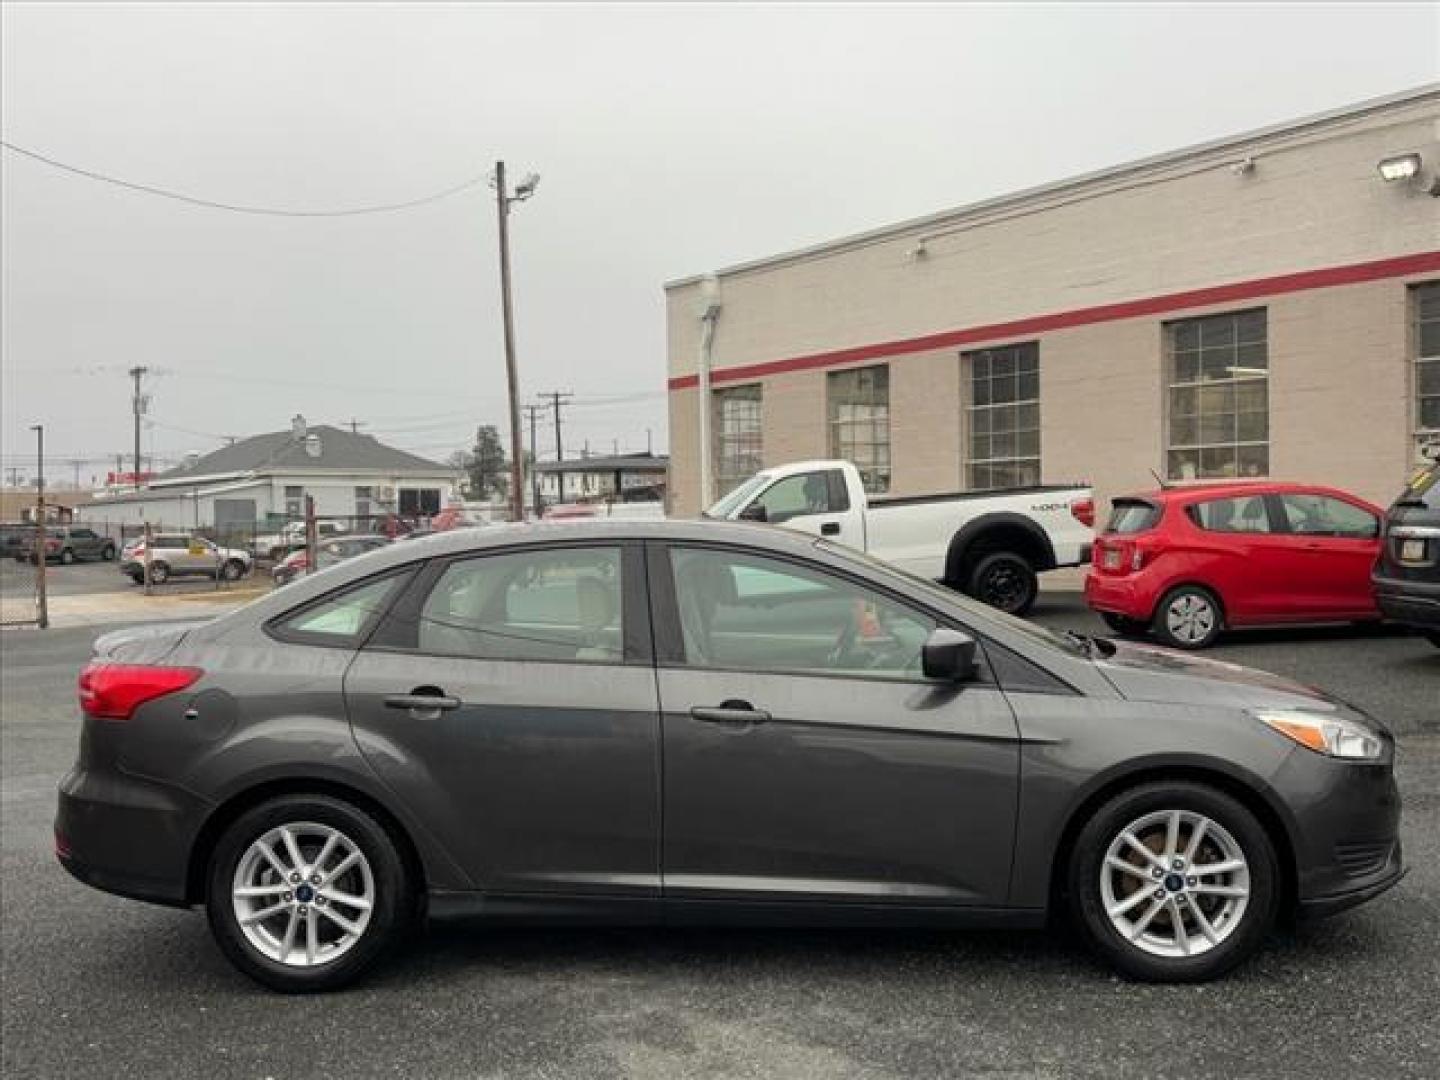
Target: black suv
x: 1407, y: 573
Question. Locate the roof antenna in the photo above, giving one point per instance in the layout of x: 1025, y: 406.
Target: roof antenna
x: 1164, y: 484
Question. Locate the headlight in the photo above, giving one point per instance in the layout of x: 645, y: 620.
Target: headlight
x: 1330, y: 735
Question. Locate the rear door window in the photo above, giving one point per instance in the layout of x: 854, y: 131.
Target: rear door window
x: 554, y: 604
x: 1132, y: 516
x: 1244, y: 514
x: 342, y: 618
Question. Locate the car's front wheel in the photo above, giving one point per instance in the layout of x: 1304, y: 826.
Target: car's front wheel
x: 233, y: 570
x: 1174, y: 882
x: 306, y: 892
x: 159, y: 573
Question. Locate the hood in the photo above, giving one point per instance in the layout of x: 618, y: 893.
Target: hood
x: 143, y: 644
x: 1151, y: 673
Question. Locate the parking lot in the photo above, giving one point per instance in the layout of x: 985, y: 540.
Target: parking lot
x: 98, y: 986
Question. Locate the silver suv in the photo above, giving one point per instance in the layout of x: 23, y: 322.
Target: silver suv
x: 176, y: 554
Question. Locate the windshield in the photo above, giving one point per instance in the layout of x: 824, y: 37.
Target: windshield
x: 1053, y: 638
x: 737, y: 498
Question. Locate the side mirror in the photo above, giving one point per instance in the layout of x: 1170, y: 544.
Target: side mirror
x: 948, y: 655
x: 755, y: 512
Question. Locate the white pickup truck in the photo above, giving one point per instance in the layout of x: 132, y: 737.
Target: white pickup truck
x: 987, y: 544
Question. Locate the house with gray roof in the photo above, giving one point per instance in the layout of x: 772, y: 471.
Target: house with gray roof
x: 265, y: 478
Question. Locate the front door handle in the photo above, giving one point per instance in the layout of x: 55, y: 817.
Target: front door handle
x: 423, y: 703
x: 738, y: 713
x: 830, y: 528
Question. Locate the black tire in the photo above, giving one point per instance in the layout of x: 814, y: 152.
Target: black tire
x: 1434, y: 639
x: 1086, y: 866
x: 1123, y: 624
x: 394, y: 904
x: 67, y: 557
x: 1206, y: 628
x: 232, y: 570
x: 1005, y: 581
x: 138, y: 579
x: 107, y: 553
x: 159, y: 573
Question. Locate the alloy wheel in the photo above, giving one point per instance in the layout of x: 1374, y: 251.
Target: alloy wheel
x: 1175, y: 883
x: 303, y: 894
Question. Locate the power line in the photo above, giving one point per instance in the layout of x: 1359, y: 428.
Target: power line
x: 236, y: 208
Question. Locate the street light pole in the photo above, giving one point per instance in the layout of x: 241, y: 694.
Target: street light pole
x: 42, y: 602
x: 709, y: 315
x: 503, y: 199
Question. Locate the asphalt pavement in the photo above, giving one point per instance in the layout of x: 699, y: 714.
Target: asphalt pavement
x: 96, y: 986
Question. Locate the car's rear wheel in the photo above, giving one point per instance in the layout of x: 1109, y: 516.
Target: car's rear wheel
x: 67, y: 557
x: 107, y: 553
x: 1174, y: 882
x: 1188, y: 618
x: 306, y: 892
x: 1123, y: 624
x: 1005, y: 581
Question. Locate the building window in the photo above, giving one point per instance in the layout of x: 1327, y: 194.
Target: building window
x: 1426, y: 305
x: 363, y: 495
x: 737, y: 436
x: 1003, y: 409
x: 1218, y: 373
x: 859, y: 407
x: 294, y: 501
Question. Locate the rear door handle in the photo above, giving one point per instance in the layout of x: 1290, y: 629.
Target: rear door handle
x: 422, y: 702
x: 830, y: 528
x: 738, y: 713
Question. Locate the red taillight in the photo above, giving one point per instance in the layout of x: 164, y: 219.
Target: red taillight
x: 1083, y: 510
x: 52, y: 545
x: 115, y: 691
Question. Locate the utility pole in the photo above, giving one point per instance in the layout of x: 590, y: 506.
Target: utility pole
x: 503, y: 199
x: 137, y: 373
x: 534, y: 411
x: 75, y: 464
x: 355, y: 426
x: 558, y: 398
x: 42, y: 603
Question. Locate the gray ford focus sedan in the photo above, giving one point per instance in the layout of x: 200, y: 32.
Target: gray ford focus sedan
x: 698, y: 722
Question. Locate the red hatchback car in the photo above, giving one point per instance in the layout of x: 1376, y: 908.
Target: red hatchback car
x: 1187, y: 562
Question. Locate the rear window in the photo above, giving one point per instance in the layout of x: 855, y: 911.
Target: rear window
x: 1132, y: 516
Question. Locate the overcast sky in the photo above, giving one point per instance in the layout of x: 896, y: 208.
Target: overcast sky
x: 671, y: 140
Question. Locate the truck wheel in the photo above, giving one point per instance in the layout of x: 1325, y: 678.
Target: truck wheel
x: 1006, y: 581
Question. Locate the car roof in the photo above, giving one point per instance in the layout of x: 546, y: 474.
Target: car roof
x: 1191, y: 491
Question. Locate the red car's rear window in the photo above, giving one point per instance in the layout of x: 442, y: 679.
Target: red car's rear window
x: 1132, y: 516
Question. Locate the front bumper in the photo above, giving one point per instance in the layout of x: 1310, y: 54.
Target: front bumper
x: 127, y: 835
x: 1322, y: 907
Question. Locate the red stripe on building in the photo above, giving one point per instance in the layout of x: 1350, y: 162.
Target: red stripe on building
x: 1420, y: 263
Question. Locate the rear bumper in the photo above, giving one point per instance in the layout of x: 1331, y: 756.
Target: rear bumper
x: 1416, y: 603
x: 1128, y: 596
x: 126, y: 835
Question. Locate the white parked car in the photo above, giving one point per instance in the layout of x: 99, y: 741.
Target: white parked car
x: 276, y: 545
x: 179, y: 555
x: 987, y: 544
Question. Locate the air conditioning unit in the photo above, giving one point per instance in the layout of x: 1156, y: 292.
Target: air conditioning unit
x: 385, y: 494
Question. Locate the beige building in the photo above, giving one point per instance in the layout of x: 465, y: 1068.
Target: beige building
x: 1264, y: 305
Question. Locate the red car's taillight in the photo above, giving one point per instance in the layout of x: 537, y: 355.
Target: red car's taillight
x: 115, y: 691
x: 1083, y: 510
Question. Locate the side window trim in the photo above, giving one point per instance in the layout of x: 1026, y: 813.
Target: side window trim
x: 399, y: 632
x: 275, y: 627
x: 669, y: 635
